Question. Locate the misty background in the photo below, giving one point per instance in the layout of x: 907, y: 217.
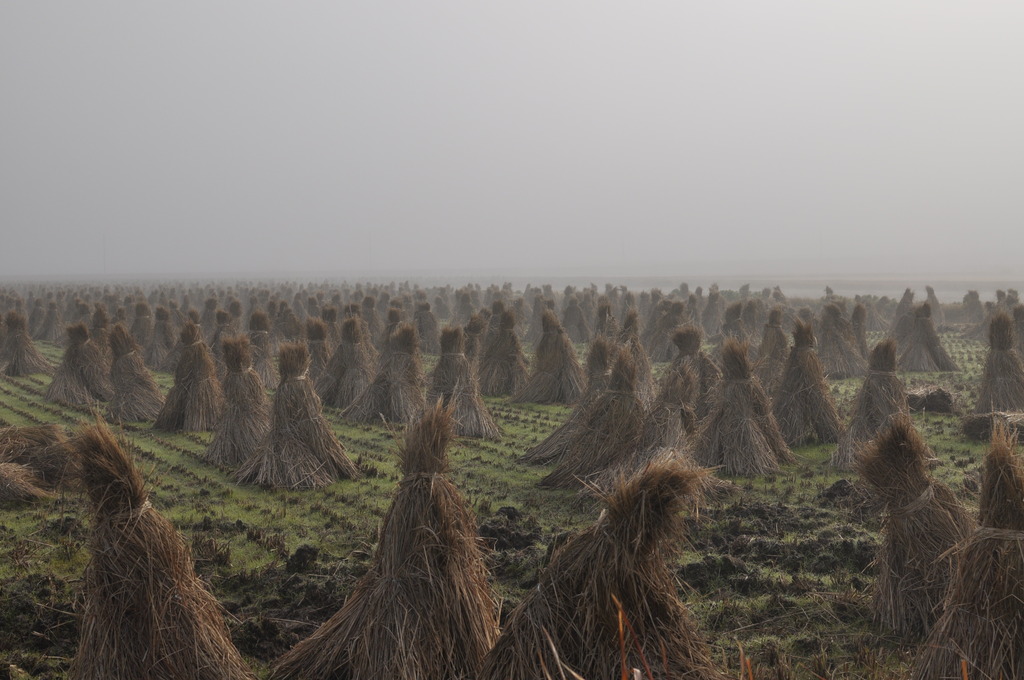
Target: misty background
x: 867, y: 140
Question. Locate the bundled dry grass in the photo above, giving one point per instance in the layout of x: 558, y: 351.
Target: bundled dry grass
x: 316, y: 342
x: 659, y: 336
x: 803, y: 405
x: 474, y: 331
x: 19, y: 484
x: 921, y: 350
x: 983, y: 614
x: 396, y: 392
x: 136, y: 395
x: 262, y: 345
x: 933, y: 302
x: 838, y: 351
x: 554, y: 447
x: 1002, y: 384
x: 575, y: 321
x: 556, y: 376
x: 740, y: 434
x: 161, y: 341
x: 196, y: 400
x: 81, y: 379
x: 428, y: 328
x: 348, y: 372
x: 882, y: 396
x: 903, y: 319
x: 616, y: 570
x: 424, y: 611
x: 43, y: 449
x: 609, y: 433
x: 52, y: 327
x: 300, y: 451
x: 690, y: 354
x: 859, y: 325
x: 630, y: 341
x: 244, y: 425
x: 607, y: 325
x: 21, y: 356
x: 502, y: 367
x: 145, y: 612
x: 923, y: 521
x: 980, y: 427
x: 455, y: 384
x: 773, y: 352
x: 142, y: 324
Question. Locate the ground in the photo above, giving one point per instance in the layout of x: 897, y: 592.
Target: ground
x: 779, y: 572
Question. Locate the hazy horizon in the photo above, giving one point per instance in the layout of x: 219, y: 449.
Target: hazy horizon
x: 599, y: 140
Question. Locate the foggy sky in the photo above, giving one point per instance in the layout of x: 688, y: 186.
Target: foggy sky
x: 558, y: 137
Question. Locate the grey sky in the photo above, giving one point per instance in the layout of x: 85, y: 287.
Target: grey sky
x: 620, y: 137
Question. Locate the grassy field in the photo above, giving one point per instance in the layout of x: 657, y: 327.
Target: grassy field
x: 778, y: 572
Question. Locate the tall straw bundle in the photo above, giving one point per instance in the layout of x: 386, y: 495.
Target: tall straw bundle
x: 711, y: 315
x: 882, y: 396
x: 244, y: 425
x: 773, y: 352
x: 607, y: 325
x: 300, y: 451
x: 1018, y: 329
x: 370, y: 317
x: 732, y: 322
x: 396, y: 392
x: 690, y: 354
x: 803, y: 405
x: 424, y: 610
x: 672, y: 412
x: 630, y: 340
x: 922, y: 351
x: 610, y: 432
x: 161, y: 340
x: 81, y: 379
x: 615, y: 571
x: 556, y: 444
x: 938, y: 314
x: 556, y: 376
x: 41, y: 448
x: 455, y: 384
x: 1002, y: 384
x: 225, y: 329
x: 145, y: 613
x: 658, y: 338
x: 427, y: 328
x: 52, y: 327
x: 99, y: 332
x: 35, y: 319
x: 923, y: 521
x: 135, y: 393
x: 329, y: 315
x: 837, y: 348
x: 262, y: 345
x: 195, y: 401
x: 142, y: 324
x: 394, y: 319
x: 903, y: 319
x: 859, y: 325
x: 21, y: 355
x: 502, y: 366
x: 348, y: 372
x: 20, y: 484
x: 575, y: 321
x: 316, y: 342
x: 982, y: 622
x: 740, y: 434
x: 474, y: 331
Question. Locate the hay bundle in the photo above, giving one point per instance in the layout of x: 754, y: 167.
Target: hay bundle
x: 142, y: 324
x: 983, y: 618
x: 396, y: 392
x: 21, y: 355
x: 348, y: 372
x: 607, y: 325
x: 610, y: 432
x: 135, y: 393
x: 502, y: 366
x: 427, y: 328
x: 145, y: 613
x: 859, y: 325
x: 690, y: 354
x: 195, y: 401
x: 424, y: 611
x: 938, y: 314
x: 1002, y: 384
x: 262, y: 345
x: 838, y: 351
x: 903, y: 319
x: 921, y: 350
x: 208, y: 321
x: 225, y: 329
x: 923, y: 520
x: 19, y: 484
x: 659, y: 337
x: 980, y: 427
x: 773, y: 352
x: 974, y: 311
x: 52, y: 327
x: 556, y: 444
x: 474, y: 331
x: 81, y: 379
x: 556, y: 376
x: 243, y: 426
x: 99, y: 332
x: 1018, y: 329
x: 882, y: 396
x: 329, y: 315
x: 711, y: 315
x: 300, y: 451
x: 316, y: 342
x: 574, y: 321
x: 739, y: 434
x: 41, y: 448
x: 732, y: 323
x: 572, y: 619
x: 803, y: 405
x: 454, y: 383
x: 672, y: 413
x: 394, y: 318
x: 161, y: 341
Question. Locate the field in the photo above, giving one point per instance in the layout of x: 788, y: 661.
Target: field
x: 779, y: 571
